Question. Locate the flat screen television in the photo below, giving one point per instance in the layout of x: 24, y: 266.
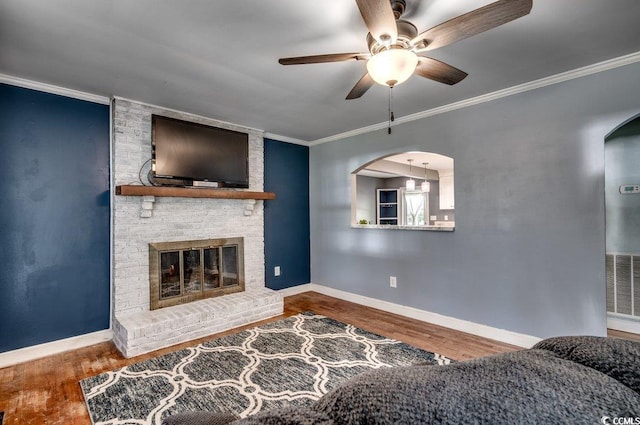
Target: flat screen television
x: 184, y: 152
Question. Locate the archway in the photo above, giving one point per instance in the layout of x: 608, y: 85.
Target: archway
x: 408, y: 190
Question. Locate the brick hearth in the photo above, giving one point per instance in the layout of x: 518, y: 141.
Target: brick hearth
x: 139, y: 333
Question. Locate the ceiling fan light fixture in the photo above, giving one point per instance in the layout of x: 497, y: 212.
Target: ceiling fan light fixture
x: 392, y: 67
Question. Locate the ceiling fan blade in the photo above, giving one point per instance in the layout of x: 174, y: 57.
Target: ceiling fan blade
x: 472, y: 23
x: 439, y: 71
x: 379, y: 19
x: 335, y: 57
x: 361, y: 87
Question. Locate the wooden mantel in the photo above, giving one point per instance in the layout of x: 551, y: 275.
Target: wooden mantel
x: 188, y: 192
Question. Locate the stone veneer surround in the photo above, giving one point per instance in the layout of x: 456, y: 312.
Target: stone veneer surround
x: 137, y: 329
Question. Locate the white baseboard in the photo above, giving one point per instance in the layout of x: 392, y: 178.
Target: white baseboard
x: 50, y: 348
x: 34, y: 352
x: 295, y: 290
x: 509, y: 337
x: 623, y: 323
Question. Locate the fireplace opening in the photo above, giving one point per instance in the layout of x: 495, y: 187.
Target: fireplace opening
x: 185, y: 271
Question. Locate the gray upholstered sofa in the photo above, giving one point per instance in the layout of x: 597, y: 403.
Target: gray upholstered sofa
x: 573, y: 380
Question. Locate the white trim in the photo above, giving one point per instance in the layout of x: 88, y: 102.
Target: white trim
x: 295, y: 290
x: 623, y: 322
x: 50, y: 88
x: 615, y: 283
x: 532, y: 85
x: 633, y: 297
x: 485, y: 331
x: 27, y: 354
x: 190, y: 114
x: 636, y: 253
x: 112, y: 211
x: 286, y: 139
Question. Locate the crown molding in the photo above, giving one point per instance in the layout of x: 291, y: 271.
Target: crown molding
x: 521, y: 88
x: 533, y: 85
x: 279, y: 138
x: 191, y: 114
x: 50, y: 88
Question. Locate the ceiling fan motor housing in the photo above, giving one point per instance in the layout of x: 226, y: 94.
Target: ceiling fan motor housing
x: 398, y: 7
x: 406, y: 32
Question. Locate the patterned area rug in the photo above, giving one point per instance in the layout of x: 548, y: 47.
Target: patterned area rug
x: 292, y: 361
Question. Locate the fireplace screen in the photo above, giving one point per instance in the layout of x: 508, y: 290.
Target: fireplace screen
x: 170, y: 266
x: 211, y: 269
x: 181, y: 272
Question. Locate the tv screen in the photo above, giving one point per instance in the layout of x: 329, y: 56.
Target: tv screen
x: 197, y: 152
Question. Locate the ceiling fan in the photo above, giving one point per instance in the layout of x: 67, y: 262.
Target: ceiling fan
x: 396, y: 48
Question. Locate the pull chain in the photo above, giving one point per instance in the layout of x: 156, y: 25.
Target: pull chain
x: 391, y: 117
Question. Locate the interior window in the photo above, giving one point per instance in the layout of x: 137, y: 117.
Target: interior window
x: 416, y: 208
x: 411, y: 190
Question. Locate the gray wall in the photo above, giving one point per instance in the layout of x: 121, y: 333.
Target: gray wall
x: 366, y: 198
x: 392, y: 183
x: 434, y: 203
x: 527, y: 254
x: 622, y: 166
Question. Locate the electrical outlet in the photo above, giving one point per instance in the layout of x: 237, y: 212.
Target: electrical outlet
x: 276, y: 271
x: 392, y: 281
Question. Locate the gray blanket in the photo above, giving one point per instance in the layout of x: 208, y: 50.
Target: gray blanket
x: 572, y: 380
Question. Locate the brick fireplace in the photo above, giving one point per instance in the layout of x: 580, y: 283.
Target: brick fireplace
x: 140, y: 221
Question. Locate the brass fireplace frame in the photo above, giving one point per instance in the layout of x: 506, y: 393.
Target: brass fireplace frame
x: 155, y: 272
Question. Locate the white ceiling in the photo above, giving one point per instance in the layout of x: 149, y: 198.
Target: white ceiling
x: 220, y: 58
x: 434, y: 161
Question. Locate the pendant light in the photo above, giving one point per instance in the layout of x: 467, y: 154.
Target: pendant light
x: 425, y: 186
x: 411, y: 183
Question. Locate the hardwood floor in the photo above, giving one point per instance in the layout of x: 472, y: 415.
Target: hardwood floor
x: 624, y: 335
x: 46, y: 391
x: 445, y: 341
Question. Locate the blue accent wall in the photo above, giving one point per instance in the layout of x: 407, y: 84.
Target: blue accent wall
x: 54, y: 220
x: 286, y: 219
